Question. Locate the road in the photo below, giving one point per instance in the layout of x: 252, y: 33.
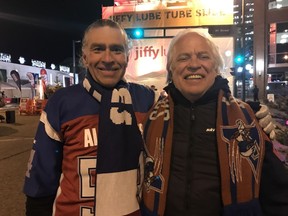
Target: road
x: 15, y: 144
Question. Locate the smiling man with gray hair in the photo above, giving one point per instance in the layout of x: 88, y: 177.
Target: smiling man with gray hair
x: 206, y: 153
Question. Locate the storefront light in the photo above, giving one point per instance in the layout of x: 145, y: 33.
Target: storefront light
x: 21, y: 60
x: 51, y: 79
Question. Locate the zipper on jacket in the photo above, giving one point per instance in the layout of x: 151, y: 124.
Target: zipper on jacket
x: 192, y: 114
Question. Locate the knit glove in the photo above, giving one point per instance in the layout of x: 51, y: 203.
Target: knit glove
x: 265, y: 121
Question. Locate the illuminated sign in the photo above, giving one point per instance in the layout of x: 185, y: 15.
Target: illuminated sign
x: 148, y: 57
x: 37, y: 63
x: 5, y: 57
x: 64, y: 69
x: 169, y: 14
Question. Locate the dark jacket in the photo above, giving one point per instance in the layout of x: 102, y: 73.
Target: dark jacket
x: 194, y: 173
x: 194, y: 183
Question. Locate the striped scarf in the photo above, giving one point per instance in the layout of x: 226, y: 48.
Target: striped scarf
x: 119, y: 147
x: 241, y: 145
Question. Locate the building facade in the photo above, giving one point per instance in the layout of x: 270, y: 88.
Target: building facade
x: 270, y: 43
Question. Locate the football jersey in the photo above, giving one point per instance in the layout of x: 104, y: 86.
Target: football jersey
x: 63, y: 159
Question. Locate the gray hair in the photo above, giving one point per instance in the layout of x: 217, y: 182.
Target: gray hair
x: 219, y: 63
x: 102, y: 23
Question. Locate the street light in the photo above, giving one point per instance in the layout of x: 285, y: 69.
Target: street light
x: 74, y: 59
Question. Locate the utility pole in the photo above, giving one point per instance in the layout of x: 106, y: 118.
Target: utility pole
x: 74, y: 60
x: 242, y: 46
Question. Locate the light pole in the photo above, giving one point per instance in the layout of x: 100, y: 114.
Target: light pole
x: 243, y: 49
x: 74, y: 59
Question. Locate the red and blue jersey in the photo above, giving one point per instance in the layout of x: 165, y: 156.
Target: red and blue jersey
x: 63, y: 159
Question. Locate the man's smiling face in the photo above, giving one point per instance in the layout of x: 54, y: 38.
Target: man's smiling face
x: 193, y: 66
x: 105, y: 55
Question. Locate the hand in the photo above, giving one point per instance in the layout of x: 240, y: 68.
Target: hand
x: 266, y: 121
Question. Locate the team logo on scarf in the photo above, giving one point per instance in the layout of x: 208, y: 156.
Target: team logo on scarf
x: 242, y: 146
x: 158, y: 120
x: 153, y: 178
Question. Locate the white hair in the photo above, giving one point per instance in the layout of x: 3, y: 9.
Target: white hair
x: 219, y: 63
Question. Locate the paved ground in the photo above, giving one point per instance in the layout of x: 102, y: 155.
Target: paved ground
x: 15, y: 145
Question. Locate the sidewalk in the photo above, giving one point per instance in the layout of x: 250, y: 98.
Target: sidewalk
x: 24, y: 126
x: 16, y: 140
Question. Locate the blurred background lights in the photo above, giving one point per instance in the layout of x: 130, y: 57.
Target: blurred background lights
x: 138, y: 33
x: 228, y: 53
x: 21, y: 60
x: 240, y: 69
x: 248, y: 67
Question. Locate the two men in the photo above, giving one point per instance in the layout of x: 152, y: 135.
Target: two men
x: 86, y: 153
x: 206, y: 152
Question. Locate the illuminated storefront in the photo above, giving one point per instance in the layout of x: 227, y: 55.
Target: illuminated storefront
x: 278, y: 52
x: 33, y: 79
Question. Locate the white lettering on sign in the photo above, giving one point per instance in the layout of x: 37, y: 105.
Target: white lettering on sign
x: 37, y: 63
x: 5, y: 57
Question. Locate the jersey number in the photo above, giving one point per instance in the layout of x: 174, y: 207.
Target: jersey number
x: 87, y: 172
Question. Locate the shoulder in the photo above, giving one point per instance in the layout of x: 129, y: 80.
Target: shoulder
x: 68, y: 98
x: 140, y: 88
x: 70, y: 103
x: 66, y: 93
x: 141, y: 95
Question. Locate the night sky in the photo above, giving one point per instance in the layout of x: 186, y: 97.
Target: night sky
x: 44, y: 30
